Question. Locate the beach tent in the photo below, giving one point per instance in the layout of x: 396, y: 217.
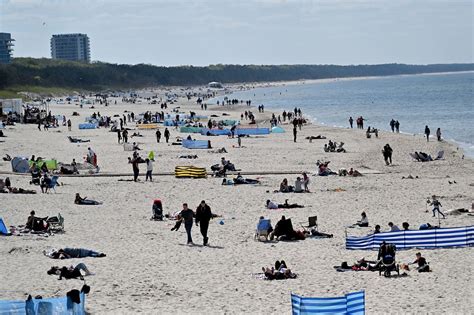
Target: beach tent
x: 350, y: 304
x: 215, y: 132
x: 20, y: 165
x: 252, y: 131
x: 185, y: 129
x: 170, y: 123
x: 434, y: 238
x: 277, y: 129
x: 196, y: 144
x: 190, y: 171
x: 52, y: 306
x: 3, y: 229
x: 87, y: 126
x: 50, y: 164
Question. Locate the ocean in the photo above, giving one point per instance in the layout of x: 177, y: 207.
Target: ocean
x: 439, y: 100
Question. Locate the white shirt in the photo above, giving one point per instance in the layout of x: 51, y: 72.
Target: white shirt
x: 272, y: 205
x: 149, y: 166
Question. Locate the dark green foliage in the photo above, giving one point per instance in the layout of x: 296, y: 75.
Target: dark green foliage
x: 99, y: 75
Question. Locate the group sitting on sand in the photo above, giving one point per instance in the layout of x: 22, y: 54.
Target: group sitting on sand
x: 301, y: 185
x: 334, y: 147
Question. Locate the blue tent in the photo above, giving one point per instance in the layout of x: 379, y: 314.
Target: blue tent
x: 252, y: 131
x: 3, y: 228
x: 277, y: 129
x: 215, y: 132
x: 196, y: 144
x: 20, y: 165
x: 52, y: 306
x: 87, y: 126
x: 349, y: 304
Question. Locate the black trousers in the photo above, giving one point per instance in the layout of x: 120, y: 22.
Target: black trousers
x: 204, y: 226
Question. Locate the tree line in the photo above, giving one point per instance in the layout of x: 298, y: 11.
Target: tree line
x: 99, y: 75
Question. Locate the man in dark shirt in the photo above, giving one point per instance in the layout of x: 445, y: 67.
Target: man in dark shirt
x: 203, y: 216
x: 187, y: 216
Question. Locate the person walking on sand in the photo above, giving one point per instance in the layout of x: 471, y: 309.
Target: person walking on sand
x: 149, y: 170
x: 69, y: 124
x: 397, y: 126
x: 392, y: 125
x: 427, y: 133
x: 135, y: 168
x: 119, y: 136
x: 295, y: 131
x: 203, y: 216
x: 436, y: 204
x: 351, y: 121
x: 387, y: 154
x: 187, y: 216
x: 125, y: 136
x: 438, y: 134
x: 158, y: 136
x: 167, y: 135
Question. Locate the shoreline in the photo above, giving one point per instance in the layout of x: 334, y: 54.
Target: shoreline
x: 121, y: 225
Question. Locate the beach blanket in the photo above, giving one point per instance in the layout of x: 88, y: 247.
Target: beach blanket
x: 147, y: 126
x: 87, y: 126
x: 185, y: 129
x: 196, y: 144
x: 433, y: 238
x: 351, y: 303
x: 190, y: 172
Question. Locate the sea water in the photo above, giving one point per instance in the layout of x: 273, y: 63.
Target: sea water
x: 439, y: 101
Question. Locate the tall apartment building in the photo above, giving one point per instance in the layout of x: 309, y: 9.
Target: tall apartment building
x: 74, y: 47
x: 6, y: 47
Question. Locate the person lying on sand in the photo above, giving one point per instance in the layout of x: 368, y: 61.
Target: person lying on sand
x: 272, y: 205
x: 84, y: 201
x: 70, y: 272
x: 241, y: 180
x: 14, y: 190
x: 279, y: 272
x: 67, y: 252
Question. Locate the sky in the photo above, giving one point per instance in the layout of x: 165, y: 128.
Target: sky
x: 203, y: 32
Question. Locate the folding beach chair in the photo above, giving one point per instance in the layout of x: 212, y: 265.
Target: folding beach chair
x: 262, y: 229
x: 56, y: 224
x: 312, y: 223
x: 53, y: 183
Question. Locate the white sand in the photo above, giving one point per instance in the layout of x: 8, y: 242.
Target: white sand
x: 149, y: 269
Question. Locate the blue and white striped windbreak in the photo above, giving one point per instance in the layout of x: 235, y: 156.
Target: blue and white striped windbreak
x: 434, y: 238
x: 351, y: 304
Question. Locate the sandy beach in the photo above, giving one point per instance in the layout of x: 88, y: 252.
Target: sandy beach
x: 150, y: 269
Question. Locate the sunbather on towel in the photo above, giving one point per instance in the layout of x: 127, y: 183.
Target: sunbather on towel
x: 70, y: 272
x: 84, y: 201
x: 240, y: 180
x: 14, y: 190
x: 67, y: 252
x: 272, y: 205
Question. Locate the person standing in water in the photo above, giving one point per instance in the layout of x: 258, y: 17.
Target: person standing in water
x: 427, y: 133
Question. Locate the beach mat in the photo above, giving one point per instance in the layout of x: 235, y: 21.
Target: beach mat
x: 190, y: 172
